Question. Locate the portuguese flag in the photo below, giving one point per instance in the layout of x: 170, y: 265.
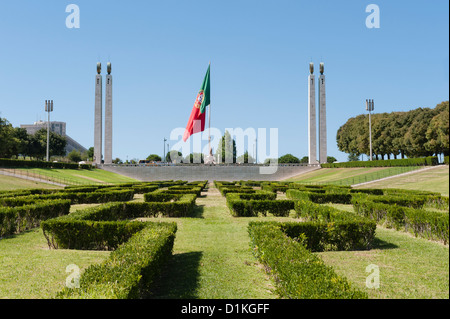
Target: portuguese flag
x: 196, y: 121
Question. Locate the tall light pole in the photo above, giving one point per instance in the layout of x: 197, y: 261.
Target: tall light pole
x: 164, y: 155
x: 370, y: 107
x: 48, y: 109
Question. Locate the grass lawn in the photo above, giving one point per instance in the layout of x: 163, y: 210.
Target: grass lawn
x: 349, y: 176
x: 435, y: 179
x: 9, y: 183
x: 212, y: 260
x: 81, y: 176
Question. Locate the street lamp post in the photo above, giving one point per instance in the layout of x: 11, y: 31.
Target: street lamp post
x: 164, y: 155
x: 370, y: 107
x: 48, y: 109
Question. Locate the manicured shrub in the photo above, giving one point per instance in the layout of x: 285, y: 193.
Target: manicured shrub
x: 432, y: 160
x: 321, y: 198
x: 17, y: 219
x: 298, y: 273
x: 251, y: 207
x: 130, y: 270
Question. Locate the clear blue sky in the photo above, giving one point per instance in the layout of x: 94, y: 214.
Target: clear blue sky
x: 259, y: 53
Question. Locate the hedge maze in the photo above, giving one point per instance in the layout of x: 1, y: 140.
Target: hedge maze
x: 140, y: 249
x: 285, y: 248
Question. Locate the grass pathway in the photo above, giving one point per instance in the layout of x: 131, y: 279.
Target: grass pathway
x: 212, y: 258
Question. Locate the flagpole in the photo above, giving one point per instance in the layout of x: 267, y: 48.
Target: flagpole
x: 209, y: 119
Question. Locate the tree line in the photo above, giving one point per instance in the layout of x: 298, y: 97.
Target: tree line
x: 16, y: 142
x: 416, y: 133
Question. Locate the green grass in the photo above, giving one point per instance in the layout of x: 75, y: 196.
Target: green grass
x: 410, y: 268
x: 29, y: 270
x: 81, y: 176
x: 349, y: 176
x: 435, y: 179
x: 9, y: 183
x: 212, y: 260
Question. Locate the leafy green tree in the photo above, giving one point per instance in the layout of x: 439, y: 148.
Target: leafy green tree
x: 74, y: 156
x: 331, y: 159
x: 8, y: 141
x: 154, y: 158
x: 305, y: 160
x: 288, y: 158
x: 39, y: 144
x: 227, y: 149
x: 245, y: 158
x: 174, y: 156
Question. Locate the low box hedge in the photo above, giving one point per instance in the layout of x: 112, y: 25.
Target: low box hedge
x: 298, y: 273
x: 423, y: 223
x: 240, y: 207
x: 422, y: 161
x: 17, y: 219
x: 320, y: 198
x: 131, y: 269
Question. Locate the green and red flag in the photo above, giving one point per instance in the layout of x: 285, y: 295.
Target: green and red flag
x: 196, y: 121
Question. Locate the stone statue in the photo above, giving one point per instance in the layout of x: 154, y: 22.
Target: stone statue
x: 108, y: 67
x: 99, y: 67
x: 321, y: 67
x: 311, y: 68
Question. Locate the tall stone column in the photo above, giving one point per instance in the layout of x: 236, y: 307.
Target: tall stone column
x: 108, y: 116
x: 322, y: 117
x: 312, y: 144
x: 98, y: 117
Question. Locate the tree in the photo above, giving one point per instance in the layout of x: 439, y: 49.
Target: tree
x: 174, y: 156
x: 8, y: 142
x: 74, y: 156
x: 353, y: 157
x: 90, y: 153
x: 288, y: 158
x: 154, y: 158
x: 331, y: 159
x: 39, y: 144
x: 305, y: 160
x: 227, y: 149
x: 194, y: 158
x: 245, y: 158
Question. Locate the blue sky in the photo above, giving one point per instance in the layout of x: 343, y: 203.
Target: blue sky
x: 259, y: 53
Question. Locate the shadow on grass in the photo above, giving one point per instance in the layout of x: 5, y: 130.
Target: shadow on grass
x: 198, y: 211
x: 381, y: 244
x: 180, y: 279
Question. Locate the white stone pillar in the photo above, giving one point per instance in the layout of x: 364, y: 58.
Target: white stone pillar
x: 98, y: 117
x: 108, y: 117
x: 312, y: 144
x: 322, y: 118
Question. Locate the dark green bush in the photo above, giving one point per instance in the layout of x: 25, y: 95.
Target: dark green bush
x: 299, y: 274
x: 17, y: 219
x: 130, y: 270
x: 251, y: 207
x: 432, y: 160
x: 320, y: 198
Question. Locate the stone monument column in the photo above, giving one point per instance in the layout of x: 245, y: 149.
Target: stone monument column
x: 108, y: 116
x: 98, y: 117
x: 322, y: 118
x: 312, y: 144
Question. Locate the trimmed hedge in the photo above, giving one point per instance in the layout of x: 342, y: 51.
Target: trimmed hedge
x: 320, y: 198
x: 130, y: 271
x: 414, y: 201
x: 423, y: 223
x: 40, y: 164
x: 17, y: 219
x: 299, y: 274
x: 422, y: 161
x: 240, y: 207
x: 333, y: 228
